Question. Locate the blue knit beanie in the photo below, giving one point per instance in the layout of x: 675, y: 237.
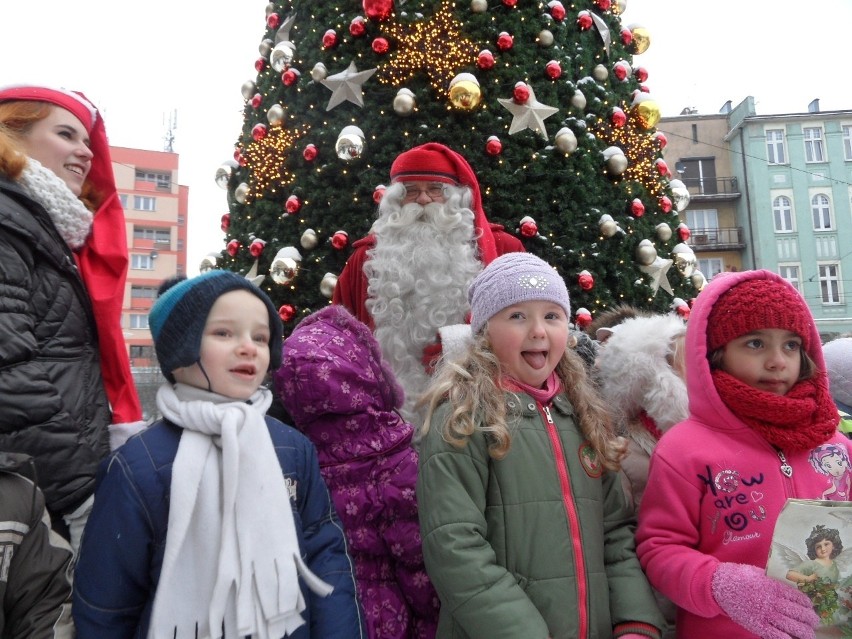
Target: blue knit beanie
x: 514, y: 278
x: 178, y: 317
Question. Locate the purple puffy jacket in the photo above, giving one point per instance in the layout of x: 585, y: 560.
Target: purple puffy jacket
x: 341, y: 394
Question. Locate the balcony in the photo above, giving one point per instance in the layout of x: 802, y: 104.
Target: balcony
x: 718, y: 189
x: 717, y: 239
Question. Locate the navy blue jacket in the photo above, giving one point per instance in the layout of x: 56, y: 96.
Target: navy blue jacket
x: 122, y: 551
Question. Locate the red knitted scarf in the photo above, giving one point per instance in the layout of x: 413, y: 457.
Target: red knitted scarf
x: 803, y: 418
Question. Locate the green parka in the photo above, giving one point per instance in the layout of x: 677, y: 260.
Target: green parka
x: 519, y: 548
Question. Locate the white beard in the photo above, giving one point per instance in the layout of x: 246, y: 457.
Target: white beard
x: 418, y: 275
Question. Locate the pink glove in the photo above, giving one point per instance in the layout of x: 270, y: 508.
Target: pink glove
x: 763, y: 605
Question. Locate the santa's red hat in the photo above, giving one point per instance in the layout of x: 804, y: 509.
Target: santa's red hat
x: 433, y: 162
x: 102, y: 260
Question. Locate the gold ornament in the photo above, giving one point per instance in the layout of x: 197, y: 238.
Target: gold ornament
x: 309, y: 239
x: 609, y: 226
x: 698, y: 280
x: 619, y: 7
x: 545, y: 38
x: 319, y: 72
x: 646, y: 253
x: 285, y: 266
x: 600, y: 73
x: 329, y: 281
x: 647, y: 112
x: 565, y: 140
x: 350, y: 143
x: 616, y: 161
x: 465, y: 92
x: 479, y: 6
x: 684, y: 259
x: 275, y: 115
x: 404, y: 102
x: 578, y: 100
x: 664, y: 231
x: 641, y: 38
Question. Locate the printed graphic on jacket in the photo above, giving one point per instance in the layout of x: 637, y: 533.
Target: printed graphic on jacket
x: 832, y: 461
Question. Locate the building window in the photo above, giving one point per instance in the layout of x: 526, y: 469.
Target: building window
x: 775, y: 152
x: 699, y: 175
x: 847, y: 141
x: 710, y: 266
x: 790, y: 273
x: 822, y: 212
x: 829, y: 281
x: 158, y: 235
x: 162, y: 180
x: 813, y: 144
x: 782, y: 212
x: 142, y: 262
x: 181, y: 220
x: 138, y: 320
x: 141, y: 352
x: 143, y: 292
x: 144, y: 203
x: 123, y: 198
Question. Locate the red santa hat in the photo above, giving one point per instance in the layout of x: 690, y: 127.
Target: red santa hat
x: 102, y: 261
x: 433, y: 162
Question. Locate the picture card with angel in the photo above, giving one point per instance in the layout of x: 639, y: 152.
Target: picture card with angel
x: 812, y: 550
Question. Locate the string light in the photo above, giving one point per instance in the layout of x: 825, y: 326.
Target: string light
x: 266, y: 158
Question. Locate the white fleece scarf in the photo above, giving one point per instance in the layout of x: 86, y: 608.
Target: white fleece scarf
x: 232, y: 554
x: 70, y: 216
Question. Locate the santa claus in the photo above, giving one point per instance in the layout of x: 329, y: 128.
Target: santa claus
x: 409, y: 277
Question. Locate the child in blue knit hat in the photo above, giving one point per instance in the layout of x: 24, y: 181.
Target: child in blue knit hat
x: 526, y: 531
x: 214, y: 521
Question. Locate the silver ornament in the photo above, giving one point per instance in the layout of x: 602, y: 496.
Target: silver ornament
x: 609, y: 226
x: 208, y: 263
x: 545, y: 38
x: 285, y: 266
x: 309, y: 239
x: 329, y: 281
x: 224, y: 173
x: 282, y: 55
x: 600, y: 73
x: 698, y: 280
x: 275, y: 115
x: 646, y: 253
x: 664, y: 231
x: 319, y: 72
x: 404, y: 102
x: 578, y: 100
x: 248, y: 89
x: 350, y: 143
x: 684, y: 259
x: 270, y: 9
x: 479, y: 6
x: 241, y: 192
x: 565, y: 140
x: 265, y: 48
x: 680, y: 195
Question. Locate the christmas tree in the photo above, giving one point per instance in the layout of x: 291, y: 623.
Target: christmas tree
x: 542, y: 98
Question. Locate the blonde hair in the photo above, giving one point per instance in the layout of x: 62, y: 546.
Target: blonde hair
x: 469, y: 384
x: 17, y: 118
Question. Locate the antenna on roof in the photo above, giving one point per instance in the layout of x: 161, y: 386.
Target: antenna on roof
x: 169, y: 137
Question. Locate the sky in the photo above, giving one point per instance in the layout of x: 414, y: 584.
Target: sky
x: 142, y: 62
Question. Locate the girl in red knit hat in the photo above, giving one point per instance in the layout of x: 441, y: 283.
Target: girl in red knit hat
x: 760, y: 410
x: 64, y: 371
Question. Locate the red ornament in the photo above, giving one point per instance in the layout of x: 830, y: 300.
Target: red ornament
x: 256, y: 247
x: 584, y: 20
x: 510, y: 3
x: 683, y: 232
x: 485, y: 60
x: 379, y: 193
x: 681, y: 308
x: 310, y: 153
x: 557, y: 11
x: 493, y: 146
x: 626, y: 36
x: 644, y: 89
x: 329, y: 39
x: 340, y: 239
x: 287, y: 312
x: 233, y: 247
x: 661, y: 139
x: 641, y: 73
x: 380, y: 46
x: 225, y: 222
x: 260, y: 64
x: 621, y: 70
x: 258, y: 131
x: 553, y: 70
x: 528, y: 227
x: 256, y: 100
x: 637, y: 209
x: 521, y: 93
x: 293, y: 204
x: 618, y: 118
x: 582, y: 318
x: 238, y: 157
x: 662, y: 167
x: 357, y: 27
x: 586, y: 280
x: 505, y: 41
x: 290, y: 77
x: 378, y: 10
x: 666, y: 204
x: 273, y: 20
x: 603, y: 5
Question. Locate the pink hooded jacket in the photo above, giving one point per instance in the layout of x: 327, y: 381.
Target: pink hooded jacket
x: 715, y: 487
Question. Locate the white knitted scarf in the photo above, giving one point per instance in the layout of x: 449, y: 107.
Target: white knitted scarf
x: 232, y: 559
x: 70, y: 216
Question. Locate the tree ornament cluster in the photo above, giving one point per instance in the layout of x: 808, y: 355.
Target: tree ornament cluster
x: 543, y: 99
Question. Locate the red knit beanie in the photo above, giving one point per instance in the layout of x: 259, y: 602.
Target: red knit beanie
x: 757, y: 304
x: 433, y: 162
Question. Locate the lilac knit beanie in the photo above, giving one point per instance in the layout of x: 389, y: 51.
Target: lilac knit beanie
x: 514, y: 278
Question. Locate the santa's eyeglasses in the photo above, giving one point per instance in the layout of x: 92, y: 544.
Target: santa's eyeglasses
x: 433, y: 191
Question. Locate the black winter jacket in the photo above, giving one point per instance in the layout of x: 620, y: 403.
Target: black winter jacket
x: 52, y: 401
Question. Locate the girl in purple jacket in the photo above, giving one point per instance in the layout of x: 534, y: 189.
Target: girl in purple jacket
x: 344, y: 397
